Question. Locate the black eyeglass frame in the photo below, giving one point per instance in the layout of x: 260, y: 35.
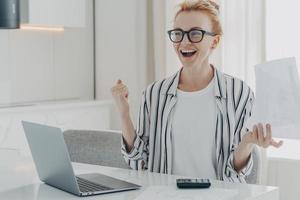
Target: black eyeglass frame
x: 188, y: 34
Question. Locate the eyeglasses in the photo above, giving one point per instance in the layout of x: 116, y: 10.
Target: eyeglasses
x: 195, y: 35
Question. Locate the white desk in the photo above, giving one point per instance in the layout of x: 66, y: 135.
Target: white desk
x: 19, y: 181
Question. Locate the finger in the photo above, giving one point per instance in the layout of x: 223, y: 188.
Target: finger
x: 267, y: 139
x: 119, y: 95
x: 119, y: 88
x: 276, y: 144
x: 251, y: 136
x: 269, y: 131
x: 115, y: 87
x: 255, y: 134
x: 124, y: 91
x: 260, y: 134
x: 125, y: 88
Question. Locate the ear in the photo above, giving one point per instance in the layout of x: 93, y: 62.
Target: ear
x: 216, y: 41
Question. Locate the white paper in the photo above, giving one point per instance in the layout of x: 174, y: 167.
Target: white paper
x: 278, y: 97
x: 172, y: 192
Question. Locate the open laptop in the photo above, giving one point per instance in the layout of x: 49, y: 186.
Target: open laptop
x: 54, y: 166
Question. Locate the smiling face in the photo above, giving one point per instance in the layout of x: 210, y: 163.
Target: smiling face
x: 194, y: 54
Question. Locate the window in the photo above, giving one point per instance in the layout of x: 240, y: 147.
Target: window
x: 282, y: 40
x: 282, y: 29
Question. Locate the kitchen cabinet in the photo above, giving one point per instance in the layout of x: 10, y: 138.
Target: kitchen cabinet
x: 53, y: 13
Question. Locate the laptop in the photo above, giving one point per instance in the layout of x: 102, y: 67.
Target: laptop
x: 53, y: 164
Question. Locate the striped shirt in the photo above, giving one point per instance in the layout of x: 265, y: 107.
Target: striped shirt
x: 152, y: 148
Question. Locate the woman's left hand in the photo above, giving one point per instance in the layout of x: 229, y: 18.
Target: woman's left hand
x: 257, y: 136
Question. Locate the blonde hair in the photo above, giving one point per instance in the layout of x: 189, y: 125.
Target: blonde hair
x: 208, y: 6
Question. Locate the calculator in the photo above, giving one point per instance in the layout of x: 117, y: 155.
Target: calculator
x: 192, y: 183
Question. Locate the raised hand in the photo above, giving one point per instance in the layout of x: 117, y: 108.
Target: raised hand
x: 120, y: 94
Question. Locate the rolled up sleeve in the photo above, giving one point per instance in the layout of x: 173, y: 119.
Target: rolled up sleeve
x: 137, y: 157
x: 230, y: 173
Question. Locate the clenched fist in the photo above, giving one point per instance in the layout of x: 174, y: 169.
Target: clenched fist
x: 120, y: 94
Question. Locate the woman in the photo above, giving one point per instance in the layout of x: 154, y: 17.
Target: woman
x: 193, y: 123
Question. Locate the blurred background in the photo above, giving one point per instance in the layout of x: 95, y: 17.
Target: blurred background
x: 58, y: 66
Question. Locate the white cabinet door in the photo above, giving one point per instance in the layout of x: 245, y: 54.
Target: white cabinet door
x: 62, y: 13
x: 31, y: 62
x: 47, y: 65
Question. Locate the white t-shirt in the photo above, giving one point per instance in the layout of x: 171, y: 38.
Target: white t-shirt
x: 193, y: 133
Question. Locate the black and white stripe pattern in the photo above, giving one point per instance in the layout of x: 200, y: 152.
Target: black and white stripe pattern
x: 152, y: 146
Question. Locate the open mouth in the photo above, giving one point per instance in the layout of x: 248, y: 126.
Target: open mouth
x: 188, y: 53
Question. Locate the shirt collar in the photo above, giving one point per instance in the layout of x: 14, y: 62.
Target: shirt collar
x: 220, y: 84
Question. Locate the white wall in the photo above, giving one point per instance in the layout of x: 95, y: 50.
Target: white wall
x: 121, y: 49
x: 172, y: 61
x: 39, y: 65
x: 87, y: 115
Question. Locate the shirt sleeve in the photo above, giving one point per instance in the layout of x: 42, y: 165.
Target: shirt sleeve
x: 230, y: 173
x: 137, y: 157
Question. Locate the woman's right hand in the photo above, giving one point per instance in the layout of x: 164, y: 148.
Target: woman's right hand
x: 120, y: 94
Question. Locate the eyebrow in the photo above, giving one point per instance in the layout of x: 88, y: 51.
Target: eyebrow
x: 196, y: 27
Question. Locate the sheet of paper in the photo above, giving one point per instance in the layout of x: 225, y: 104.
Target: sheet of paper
x: 172, y: 192
x: 278, y: 97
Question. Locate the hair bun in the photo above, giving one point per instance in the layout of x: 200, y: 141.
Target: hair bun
x: 215, y: 4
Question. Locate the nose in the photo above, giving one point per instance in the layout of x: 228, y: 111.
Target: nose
x: 185, y: 39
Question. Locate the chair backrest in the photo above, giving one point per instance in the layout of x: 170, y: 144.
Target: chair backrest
x: 255, y: 177
x: 95, y: 147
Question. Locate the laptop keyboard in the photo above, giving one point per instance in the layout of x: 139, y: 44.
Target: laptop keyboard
x: 88, y: 186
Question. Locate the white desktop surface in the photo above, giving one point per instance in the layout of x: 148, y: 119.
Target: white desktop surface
x: 19, y: 181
